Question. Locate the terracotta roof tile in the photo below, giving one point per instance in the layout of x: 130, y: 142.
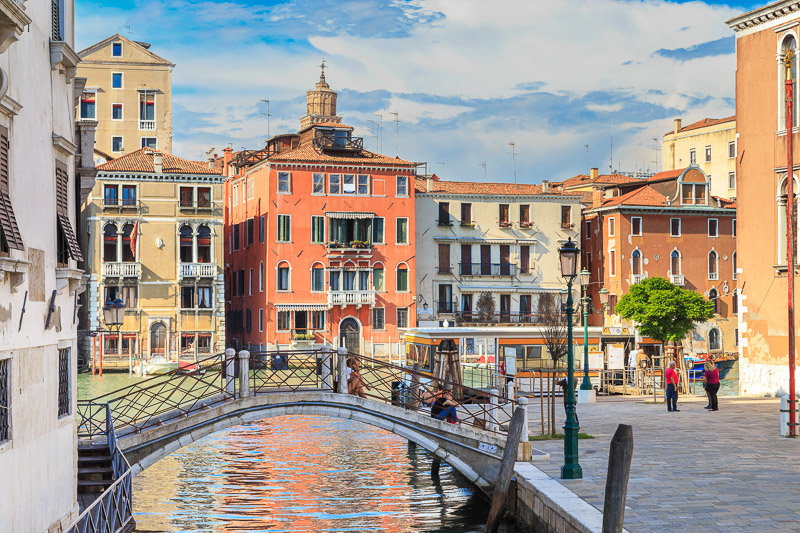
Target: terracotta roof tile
x: 602, y: 179
x: 706, y: 122
x: 645, y: 196
x: 307, y: 152
x: 666, y: 174
x: 142, y: 161
x: 329, y: 124
x: 474, y: 187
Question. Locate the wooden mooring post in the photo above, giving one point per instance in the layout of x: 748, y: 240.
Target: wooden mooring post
x: 619, y: 469
x: 515, y: 429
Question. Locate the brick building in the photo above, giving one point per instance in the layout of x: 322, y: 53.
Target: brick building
x: 321, y: 239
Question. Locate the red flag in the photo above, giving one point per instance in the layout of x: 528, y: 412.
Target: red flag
x: 134, y: 236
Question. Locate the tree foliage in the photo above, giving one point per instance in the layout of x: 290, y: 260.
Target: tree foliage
x: 554, y: 326
x: 664, y: 311
x: 485, y: 305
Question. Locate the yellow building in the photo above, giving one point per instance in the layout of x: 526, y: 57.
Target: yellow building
x: 129, y: 93
x: 155, y: 241
x: 711, y: 145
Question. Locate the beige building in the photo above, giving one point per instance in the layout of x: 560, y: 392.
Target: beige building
x: 711, y: 145
x: 129, y: 93
x: 155, y: 242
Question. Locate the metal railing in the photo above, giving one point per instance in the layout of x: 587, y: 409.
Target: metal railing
x: 351, y: 298
x: 328, y: 140
x: 197, y: 270
x: 488, y: 269
x: 124, y: 270
x: 122, y: 203
x: 198, y: 205
x: 494, y: 318
x: 290, y: 371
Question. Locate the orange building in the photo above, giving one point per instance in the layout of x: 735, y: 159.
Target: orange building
x: 762, y: 37
x: 666, y: 226
x: 320, y: 239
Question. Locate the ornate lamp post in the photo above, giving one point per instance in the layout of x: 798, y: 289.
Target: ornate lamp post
x: 588, y: 307
x: 113, y: 317
x: 568, y: 254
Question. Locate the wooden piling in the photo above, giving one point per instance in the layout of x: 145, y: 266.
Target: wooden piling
x: 619, y: 469
x: 437, y: 462
x: 515, y: 428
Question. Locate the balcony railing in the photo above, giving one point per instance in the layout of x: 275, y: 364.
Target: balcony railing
x: 357, y: 246
x: 351, y: 298
x: 446, y: 306
x: 121, y: 203
x: 197, y: 205
x: 197, y: 270
x: 147, y: 125
x: 122, y: 270
x: 500, y: 318
x: 713, y: 276
x: 638, y: 278
x: 327, y: 140
x: 488, y: 269
x: 678, y: 280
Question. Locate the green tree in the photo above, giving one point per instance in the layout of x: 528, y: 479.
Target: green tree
x: 664, y: 311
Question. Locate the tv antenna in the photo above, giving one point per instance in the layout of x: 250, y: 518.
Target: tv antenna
x: 656, y: 148
x: 441, y: 163
x: 268, y: 115
x: 513, y: 146
x: 374, y: 128
x: 587, y: 155
x: 380, y: 132
x: 483, y: 164
x: 396, y: 132
x: 128, y: 30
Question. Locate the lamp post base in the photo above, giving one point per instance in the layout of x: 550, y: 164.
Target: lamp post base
x: 572, y: 471
x: 587, y: 396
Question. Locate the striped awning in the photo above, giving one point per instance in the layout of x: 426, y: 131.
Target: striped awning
x: 301, y: 307
x: 349, y: 214
x: 499, y: 240
x: 506, y: 289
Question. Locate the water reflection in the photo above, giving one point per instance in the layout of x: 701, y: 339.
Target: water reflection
x: 302, y: 473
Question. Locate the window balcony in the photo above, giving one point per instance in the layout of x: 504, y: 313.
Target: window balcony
x: 329, y: 140
x: 678, y: 280
x: 197, y: 270
x: 357, y: 298
x: 488, y: 269
x: 121, y: 204
x: 352, y: 246
x: 147, y: 125
x: 197, y: 205
x: 122, y: 270
x: 446, y: 307
x: 713, y: 276
x: 500, y: 318
x: 637, y: 278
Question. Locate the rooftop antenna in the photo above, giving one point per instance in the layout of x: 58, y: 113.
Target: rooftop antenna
x: 655, y: 141
x: 483, y: 164
x: 611, y: 164
x: 128, y: 30
x: 587, y: 155
x: 441, y: 163
x: 513, y: 146
x: 268, y: 115
x: 374, y: 129
x: 380, y: 132
x: 396, y: 132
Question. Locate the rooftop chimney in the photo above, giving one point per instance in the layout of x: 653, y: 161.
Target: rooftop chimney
x: 429, y: 184
x: 158, y: 159
x: 593, y: 172
x: 211, y: 157
x: 545, y: 186
x: 677, y: 125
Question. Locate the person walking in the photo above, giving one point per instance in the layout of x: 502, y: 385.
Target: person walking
x: 673, y: 379
x: 711, y: 383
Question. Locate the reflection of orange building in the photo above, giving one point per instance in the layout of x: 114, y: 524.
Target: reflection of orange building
x: 320, y: 238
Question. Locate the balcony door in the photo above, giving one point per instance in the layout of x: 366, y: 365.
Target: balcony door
x: 486, y: 259
x: 158, y: 339
x: 505, y: 266
x: 350, y: 335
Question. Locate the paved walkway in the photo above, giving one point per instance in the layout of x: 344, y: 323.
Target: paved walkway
x: 693, y: 470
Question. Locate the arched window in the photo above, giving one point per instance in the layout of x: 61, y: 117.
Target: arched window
x: 782, y: 237
x: 789, y: 44
x: 283, y: 277
x: 110, y: 243
x: 713, y: 297
x: 675, y: 263
x: 714, y: 343
x: 636, y: 262
x: 733, y: 261
x: 402, y: 278
x: 203, y: 244
x: 377, y: 278
x: 186, y: 238
x: 127, y: 250
x: 713, y: 273
x: 317, y: 277
x: 261, y: 277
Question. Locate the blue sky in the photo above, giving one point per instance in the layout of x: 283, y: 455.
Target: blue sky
x: 465, y: 77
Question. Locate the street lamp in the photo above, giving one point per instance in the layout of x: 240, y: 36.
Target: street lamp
x: 114, y: 314
x: 588, y: 307
x: 568, y: 255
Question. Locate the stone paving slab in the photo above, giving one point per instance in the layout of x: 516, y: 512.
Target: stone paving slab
x: 693, y: 470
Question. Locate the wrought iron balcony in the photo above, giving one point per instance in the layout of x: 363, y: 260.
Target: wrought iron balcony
x: 122, y: 204
x: 446, y: 306
x: 122, y: 270
x: 197, y: 205
x: 488, y: 269
x: 197, y: 270
x: 358, y: 298
x: 328, y: 140
x: 500, y: 318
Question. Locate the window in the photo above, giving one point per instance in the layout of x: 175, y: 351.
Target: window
x: 250, y: 283
x: 251, y: 188
x: 466, y: 305
x: 505, y: 307
x: 251, y: 223
x: 318, y: 319
x: 110, y: 195
x: 116, y: 111
x: 378, y: 318
x: 284, y: 182
x: 236, y: 228
x: 566, y: 216
x: 402, y: 186
x: 712, y: 265
x: 186, y: 244
x: 466, y: 260
x: 714, y: 340
x: 147, y: 110
x: 318, y: 183
x: 88, y: 106
x: 284, y: 320
x: 674, y: 227
x: 116, y: 80
x: 731, y: 149
x: 116, y: 49
x: 788, y: 44
x: 693, y: 193
x: 612, y: 263
x: 713, y: 297
x: 196, y: 297
x: 692, y: 156
x: 731, y: 180
x: 444, y: 258
x: 636, y: 263
x: 116, y: 143
x: 402, y: 317
x: 249, y: 319
x: 5, y: 399
x: 334, y: 183
x: 333, y: 279
x: 445, y: 303
x: 636, y: 226
x: 733, y: 263
x: 612, y: 226
x: 317, y: 278
x: 127, y: 293
x: 503, y: 215
x: 736, y: 337
x: 261, y: 222
x: 240, y: 282
x: 675, y: 263
x: 349, y: 184
x: 149, y: 142
x: 708, y: 154
x: 64, y: 404
x: 9, y: 231
x: 377, y: 231
x: 588, y: 230
x: 317, y: 229
x: 402, y: 231
x: 377, y: 279
x: 466, y: 214
x: 284, y: 228
x: 444, y: 214
x: 261, y: 276
x: 363, y: 184
x: 402, y: 278
x: 735, y: 303
x: 235, y: 195
x: 524, y: 215
x: 713, y: 227
x: 283, y: 277
x: 525, y: 259
x: 66, y: 242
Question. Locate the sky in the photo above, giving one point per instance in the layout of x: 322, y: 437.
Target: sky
x: 573, y: 84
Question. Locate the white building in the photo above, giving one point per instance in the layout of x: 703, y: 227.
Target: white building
x: 39, y: 257
x: 496, y: 238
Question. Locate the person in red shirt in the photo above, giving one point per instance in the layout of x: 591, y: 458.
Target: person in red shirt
x: 711, y: 382
x: 673, y: 379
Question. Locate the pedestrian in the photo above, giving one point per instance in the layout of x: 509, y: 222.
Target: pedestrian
x: 711, y: 383
x: 673, y: 379
x: 355, y: 383
x: 444, y: 407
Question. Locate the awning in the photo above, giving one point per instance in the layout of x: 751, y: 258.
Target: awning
x: 524, y: 289
x: 349, y: 214
x: 301, y: 307
x: 480, y: 240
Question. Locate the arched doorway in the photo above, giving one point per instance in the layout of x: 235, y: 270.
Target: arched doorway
x: 158, y: 339
x: 350, y: 335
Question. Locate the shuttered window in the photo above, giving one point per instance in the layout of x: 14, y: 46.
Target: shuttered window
x: 67, y: 241
x: 444, y: 259
x: 10, y: 236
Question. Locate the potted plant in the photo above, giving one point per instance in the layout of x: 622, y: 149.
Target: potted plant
x: 524, y: 224
x: 467, y: 224
x: 505, y: 224
x: 303, y: 339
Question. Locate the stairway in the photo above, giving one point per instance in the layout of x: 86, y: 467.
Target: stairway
x: 95, y: 472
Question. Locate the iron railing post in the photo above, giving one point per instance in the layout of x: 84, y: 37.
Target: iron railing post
x: 230, y: 362
x: 327, y: 368
x: 244, y: 374
x: 341, y: 361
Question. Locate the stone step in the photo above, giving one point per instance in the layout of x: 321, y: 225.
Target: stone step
x: 95, y: 470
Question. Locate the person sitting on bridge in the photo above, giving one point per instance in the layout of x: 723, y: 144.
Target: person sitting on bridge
x: 355, y: 383
x: 444, y: 407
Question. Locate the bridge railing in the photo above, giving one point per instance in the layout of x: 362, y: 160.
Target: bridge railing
x: 290, y: 371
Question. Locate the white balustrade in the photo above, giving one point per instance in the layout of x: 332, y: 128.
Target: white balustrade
x: 351, y: 298
x: 147, y: 125
x: 678, y: 280
x: 122, y: 270
x: 197, y: 270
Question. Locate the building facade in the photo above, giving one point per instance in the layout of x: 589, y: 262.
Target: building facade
x: 668, y: 226
x: 711, y: 145
x: 129, y: 93
x: 155, y: 241
x: 499, y: 239
x: 321, y: 239
x: 762, y: 37
x: 40, y: 277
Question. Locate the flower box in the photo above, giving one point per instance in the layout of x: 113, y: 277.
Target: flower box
x: 505, y: 224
